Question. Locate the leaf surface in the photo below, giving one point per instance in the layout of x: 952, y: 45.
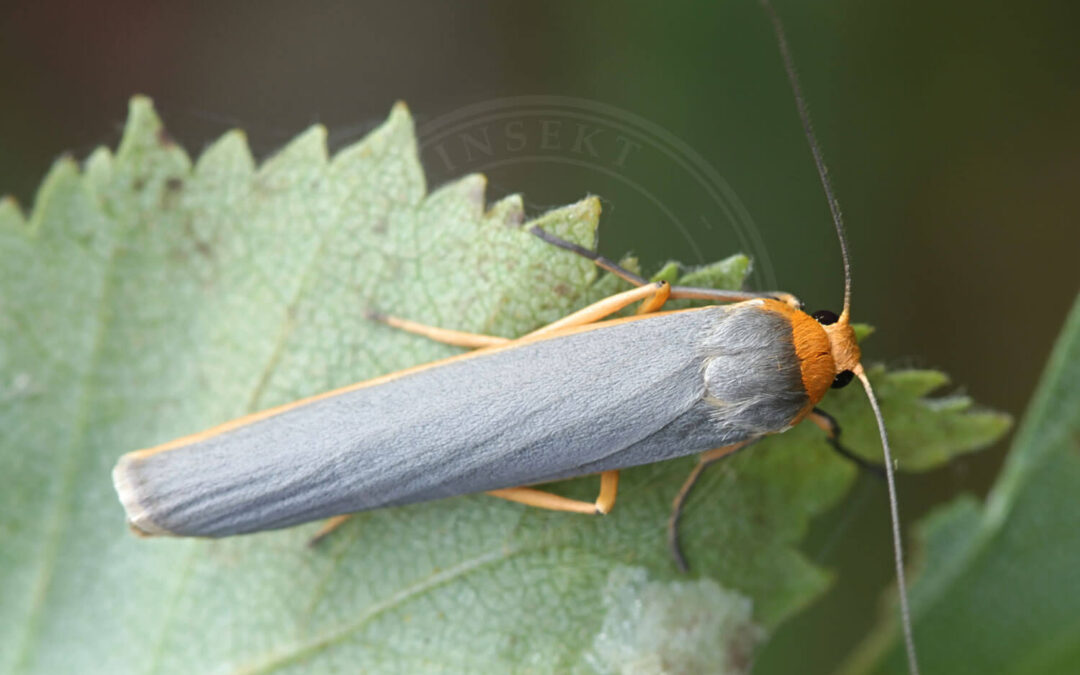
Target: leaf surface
x: 146, y: 297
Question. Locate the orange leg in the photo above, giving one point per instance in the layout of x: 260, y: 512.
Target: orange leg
x: 609, y: 487
x: 657, y: 301
x: 608, y: 306
x: 329, y: 526
x: 451, y: 337
x: 654, y: 296
x: 704, y: 461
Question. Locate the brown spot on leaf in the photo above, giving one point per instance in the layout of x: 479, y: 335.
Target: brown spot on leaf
x: 202, y: 247
x: 515, y: 219
x: 170, y: 196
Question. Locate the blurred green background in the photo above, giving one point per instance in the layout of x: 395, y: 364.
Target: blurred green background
x: 951, y: 133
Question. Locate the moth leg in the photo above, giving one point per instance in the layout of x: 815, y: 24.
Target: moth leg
x: 677, y: 292
x: 609, y: 487
x: 445, y: 335
x: 327, y: 528
x: 653, y: 295
x: 608, y: 306
x: 656, y: 301
x: 829, y: 425
x: 704, y: 461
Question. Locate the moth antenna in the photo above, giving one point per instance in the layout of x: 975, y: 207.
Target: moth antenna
x: 815, y: 150
x: 901, y: 583
x: 838, y: 221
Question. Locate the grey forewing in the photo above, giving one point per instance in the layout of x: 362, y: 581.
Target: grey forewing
x: 613, y: 397
x: 752, y: 387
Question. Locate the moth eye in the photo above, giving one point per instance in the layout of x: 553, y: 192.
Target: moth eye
x: 842, y: 379
x: 825, y: 317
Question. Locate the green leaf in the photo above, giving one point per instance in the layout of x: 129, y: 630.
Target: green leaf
x: 927, y: 432
x: 147, y: 298
x: 998, y: 591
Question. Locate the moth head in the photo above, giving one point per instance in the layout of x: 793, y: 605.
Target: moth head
x: 842, y: 344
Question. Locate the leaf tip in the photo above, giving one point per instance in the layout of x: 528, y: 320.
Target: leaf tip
x: 590, y: 206
x: 400, y: 109
x: 11, y: 214
x: 918, y: 381
x: 508, y: 211
x: 231, y: 152
x: 143, y: 123
x: 729, y: 273
x: 998, y: 424
x: 145, y: 142
x: 669, y: 273
x: 575, y: 222
x: 398, y: 125
x: 862, y: 331
x: 99, y: 160
x: 474, y: 186
x: 140, y: 104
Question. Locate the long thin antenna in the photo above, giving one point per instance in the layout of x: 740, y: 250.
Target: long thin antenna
x: 838, y: 220
x: 815, y: 149
x: 901, y: 583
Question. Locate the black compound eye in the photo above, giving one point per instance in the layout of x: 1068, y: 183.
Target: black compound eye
x: 842, y: 379
x: 825, y: 317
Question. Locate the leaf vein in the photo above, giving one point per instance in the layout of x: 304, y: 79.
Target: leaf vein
x: 311, y: 647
